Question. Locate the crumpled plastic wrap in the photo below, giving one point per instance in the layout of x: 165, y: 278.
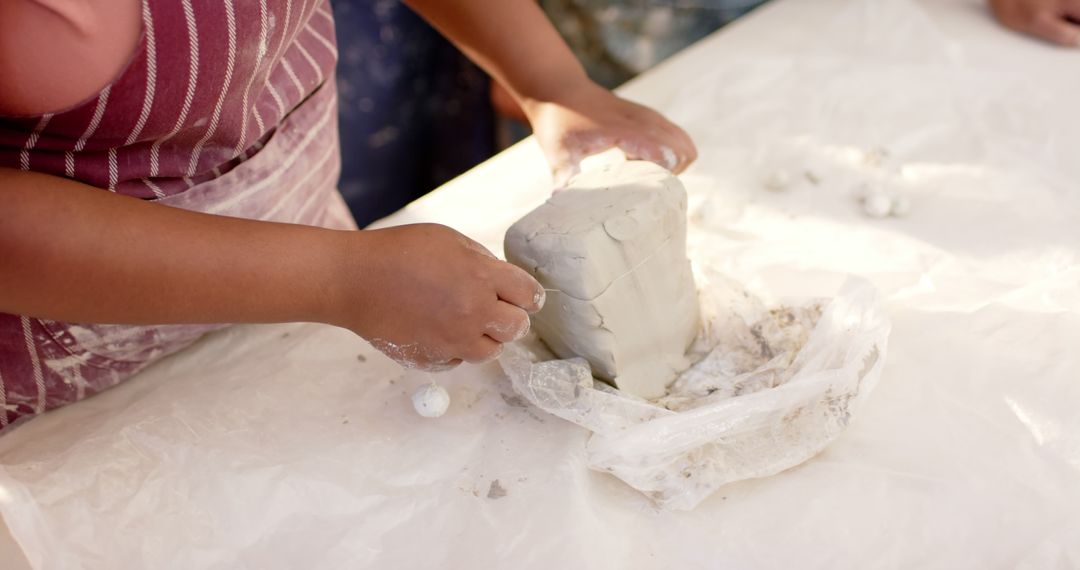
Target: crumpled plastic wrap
x: 758, y: 401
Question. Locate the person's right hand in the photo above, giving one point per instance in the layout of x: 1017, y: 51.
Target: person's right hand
x: 1056, y: 21
x: 430, y: 298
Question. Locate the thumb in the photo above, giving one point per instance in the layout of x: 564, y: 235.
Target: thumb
x: 1071, y: 9
x: 564, y: 172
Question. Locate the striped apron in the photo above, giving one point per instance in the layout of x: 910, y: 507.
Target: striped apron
x: 226, y: 108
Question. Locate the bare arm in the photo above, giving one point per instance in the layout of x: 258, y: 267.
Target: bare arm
x: 512, y: 40
x: 571, y: 116
x: 424, y: 294
x: 74, y: 252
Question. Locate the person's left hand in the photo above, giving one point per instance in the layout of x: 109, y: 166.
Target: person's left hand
x: 589, y: 119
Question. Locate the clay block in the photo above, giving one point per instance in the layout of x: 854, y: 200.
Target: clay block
x: 611, y: 250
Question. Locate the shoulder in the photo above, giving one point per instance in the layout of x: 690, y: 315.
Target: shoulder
x: 57, y: 53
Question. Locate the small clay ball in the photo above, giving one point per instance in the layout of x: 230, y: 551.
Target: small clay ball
x: 877, y: 205
x: 901, y: 205
x: 431, y: 400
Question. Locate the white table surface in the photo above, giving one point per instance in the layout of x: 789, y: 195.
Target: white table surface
x: 968, y: 455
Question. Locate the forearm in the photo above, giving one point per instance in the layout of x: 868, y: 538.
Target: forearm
x: 571, y: 116
x: 76, y: 253
x: 512, y: 40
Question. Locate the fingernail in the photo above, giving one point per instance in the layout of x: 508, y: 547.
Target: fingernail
x: 539, y: 298
x: 524, y: 330
x: 670, y: 160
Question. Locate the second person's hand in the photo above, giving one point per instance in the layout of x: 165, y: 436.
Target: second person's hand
x: 1056, y: 21
x: 587, y: 119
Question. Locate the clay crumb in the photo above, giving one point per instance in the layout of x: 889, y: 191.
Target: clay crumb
x: 515, y: 401
x: 496, y: 490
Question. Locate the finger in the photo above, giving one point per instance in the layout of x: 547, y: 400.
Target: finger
x: 410, y: 354
x: 507, y: 323
x: 439, y: 366
x: 638, y: 148
x: 1072, y: 11
x: 481, y: 350
x: 562, y: 161
x: 676, y: 138
x: 684, y: 151
x: 518, y: 288
x: 413, y: 355
x: 681, y: 142
x: 689, y: 148
x: 648, y: 149
x: 1055, y: 29
x: 564, y: 172
x: 572, y: 152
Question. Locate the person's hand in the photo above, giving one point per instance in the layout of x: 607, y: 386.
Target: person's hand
x: 430, y: 298
x: 589, y: 119
x: 1056, y: 21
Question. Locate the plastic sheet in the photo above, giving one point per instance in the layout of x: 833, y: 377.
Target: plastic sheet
x: 770, y: 389
x: 277, y: 447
